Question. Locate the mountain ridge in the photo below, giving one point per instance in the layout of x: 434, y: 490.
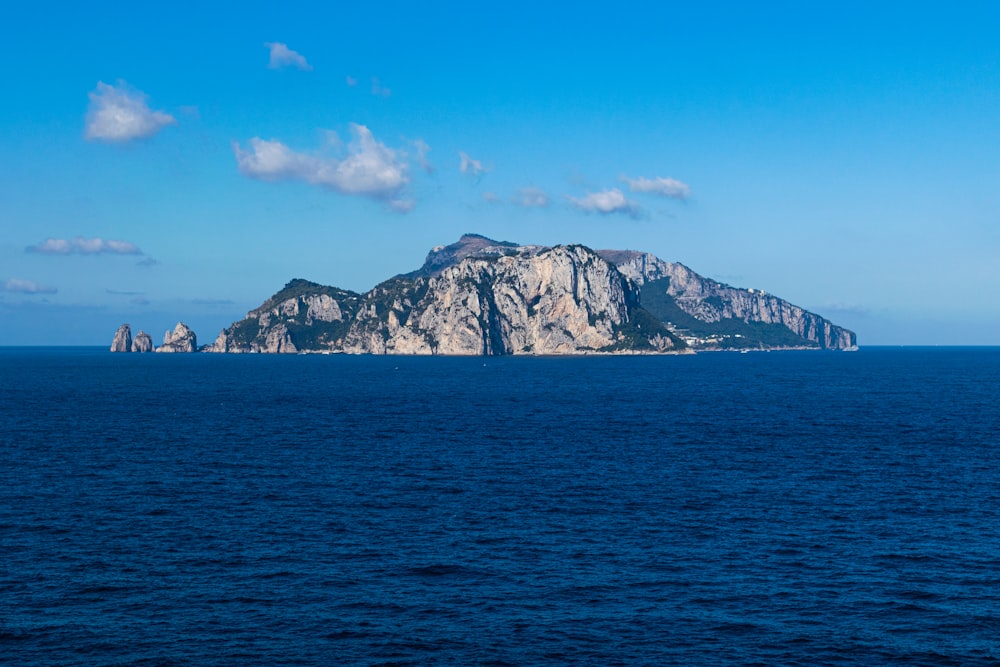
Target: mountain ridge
x: 478, y: 296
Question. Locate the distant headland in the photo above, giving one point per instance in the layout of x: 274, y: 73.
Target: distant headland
x: 484, y: 297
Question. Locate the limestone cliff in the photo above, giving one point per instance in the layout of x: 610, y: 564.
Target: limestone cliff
x: 302, y: 316
x: 711, y: 314
x: 122, y: 341
x: 561, y: 300
x: 142, y: 342
x: 182, y: 339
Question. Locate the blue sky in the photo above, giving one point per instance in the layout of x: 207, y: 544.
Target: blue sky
x: 182, y: 162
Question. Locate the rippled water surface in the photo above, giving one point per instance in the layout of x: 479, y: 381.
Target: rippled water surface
x: 769, y: 508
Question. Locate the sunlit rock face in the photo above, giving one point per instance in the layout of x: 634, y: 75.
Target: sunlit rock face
x: 122, y: 341
x: 182, y: 339
x: 301, y: 316
x: 142, y: 342
x: 561, y: 300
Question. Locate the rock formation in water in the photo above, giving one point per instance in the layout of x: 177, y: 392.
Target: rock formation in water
x: 484, y: 297
x: 182, y: 339
x: 122, y: 341
x: 142, y: 342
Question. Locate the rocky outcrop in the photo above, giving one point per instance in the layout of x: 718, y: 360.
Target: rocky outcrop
x: 142, y: 342
x: 302, y: 316
x: 182, y: 339
x: 122, y: 341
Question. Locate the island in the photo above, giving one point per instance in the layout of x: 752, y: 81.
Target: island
x: 484, y: 297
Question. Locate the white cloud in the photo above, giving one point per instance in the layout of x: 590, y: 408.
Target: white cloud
x: 606, y: 202
x: 370, y: 169
x: 665, y: 187
x: 491, y: 198
x: 119, y: 113
x: 532, y: 198
x: 282, y: 56
x: 378, y: 89
x: 84, y: 246
x: 351, y: 81
x: 27, y: 287
x: 470, y: 166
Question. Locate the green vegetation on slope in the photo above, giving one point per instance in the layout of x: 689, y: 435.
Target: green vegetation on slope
x: 635, y: 334
x: 730, y: 333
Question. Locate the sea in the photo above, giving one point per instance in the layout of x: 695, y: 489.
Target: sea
x: 771, y: 508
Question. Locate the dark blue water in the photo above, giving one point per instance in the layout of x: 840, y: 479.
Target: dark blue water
x: 782, y: 508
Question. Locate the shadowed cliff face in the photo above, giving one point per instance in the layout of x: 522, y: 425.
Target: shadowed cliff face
x: 481, y: 297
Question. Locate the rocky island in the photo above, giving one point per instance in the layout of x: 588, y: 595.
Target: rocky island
x: 484, y: 297
x: 181, y: 339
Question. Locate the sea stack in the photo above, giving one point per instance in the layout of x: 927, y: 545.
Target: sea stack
x: 123, y: 339
x: 181, y: 340
x: 142, y: 342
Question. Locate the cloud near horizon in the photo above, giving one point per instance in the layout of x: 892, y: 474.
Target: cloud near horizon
x: 665, y: 187
x: 370, y: 169
x: 606, y: 202
x: 84, y: 246
x: 18, y: 286
x: 120, y: 113
x: 282, y: 56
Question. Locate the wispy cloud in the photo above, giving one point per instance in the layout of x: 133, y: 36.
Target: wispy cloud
x: 665, y: 187
x: 282, y: 56
x: 120, y: 113
x: 606, y: 202
x: 369, y: 169
x: 531, y: 197
x: 18, y: 286
x: 84, y: 246
x: 123, y: 292
x: 378, y: 89
x: 351, y: 81
x: 422, y: 150
x: 469, y: 166
x: 491, y: 198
